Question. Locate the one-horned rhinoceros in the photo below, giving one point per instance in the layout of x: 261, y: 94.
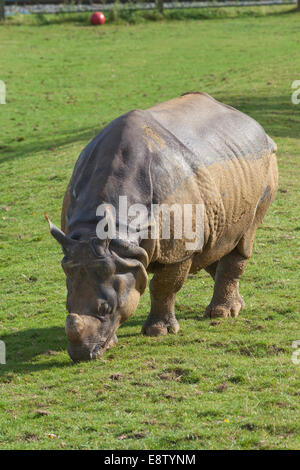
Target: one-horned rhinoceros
x: 190, y: 152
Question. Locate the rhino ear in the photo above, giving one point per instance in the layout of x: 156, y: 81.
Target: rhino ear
x: 127, y: 249
x: 127, y: 265
x: 66, y: 242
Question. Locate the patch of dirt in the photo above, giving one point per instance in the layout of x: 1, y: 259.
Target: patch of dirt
x: 249, y: 426
x: 282, y: 404
x: 274, y: 349
x: 117, y: 377
x: 142, y: 384
x: 50, y: 353
x: 218, y: 344
x: 30, y: 437
x: 168, y: 396
x: 133, y: 435
x: 42, y: 412
x: 151, y: 422
x: 222, y: 387
x: 150, y: 365
x: 172, y: 374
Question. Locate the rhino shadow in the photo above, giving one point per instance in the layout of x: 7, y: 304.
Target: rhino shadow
x: 14, y: 149
x: 276, y: 114
x: 22, y: 347
x: 182, y: 312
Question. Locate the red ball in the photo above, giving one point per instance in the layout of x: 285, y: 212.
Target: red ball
x: 97, y: 18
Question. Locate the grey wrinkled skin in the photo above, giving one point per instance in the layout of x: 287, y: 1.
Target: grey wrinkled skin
x: 190, y: 150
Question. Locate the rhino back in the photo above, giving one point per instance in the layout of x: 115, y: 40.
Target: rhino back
x: 215, y: 155
x: 212, y: 130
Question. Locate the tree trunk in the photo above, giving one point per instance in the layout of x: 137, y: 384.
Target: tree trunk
x: 2, y: 12
x: 160, y: 5
x: 298, y: 5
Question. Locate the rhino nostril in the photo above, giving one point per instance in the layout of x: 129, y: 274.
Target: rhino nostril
x: 95, y: 355
x: 103, y: 308
x: 97, y: 352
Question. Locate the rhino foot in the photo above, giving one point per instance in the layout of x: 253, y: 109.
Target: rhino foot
x: 225, y: 310
x: 154, y: 327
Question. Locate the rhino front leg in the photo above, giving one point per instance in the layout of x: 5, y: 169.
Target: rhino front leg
x: 163, y: 288
x: 226, y: 299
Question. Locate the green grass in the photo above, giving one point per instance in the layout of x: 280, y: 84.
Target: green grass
x: 216, y: 385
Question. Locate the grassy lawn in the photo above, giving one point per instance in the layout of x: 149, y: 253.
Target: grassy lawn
x: 216, y: 385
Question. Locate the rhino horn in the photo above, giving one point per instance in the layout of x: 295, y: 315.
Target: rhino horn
x: 65, y: 241
x: 74, y: 327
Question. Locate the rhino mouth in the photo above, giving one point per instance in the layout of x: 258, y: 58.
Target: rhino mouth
x: 82, y: 335
x: 80, y: 353
x: 87, y: 352
x: 100, y: 349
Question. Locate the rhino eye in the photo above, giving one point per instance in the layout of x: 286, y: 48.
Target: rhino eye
x: 104, y: 308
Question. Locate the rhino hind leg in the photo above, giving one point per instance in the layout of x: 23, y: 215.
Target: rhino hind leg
x: 163, y: 288
x: 212, y: 269
x: 227, y: 271
x: 226, y: 301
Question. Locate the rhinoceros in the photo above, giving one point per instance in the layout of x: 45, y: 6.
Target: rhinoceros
x: 191, y: 150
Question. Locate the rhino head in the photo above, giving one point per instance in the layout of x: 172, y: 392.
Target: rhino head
x: 105, y: 280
